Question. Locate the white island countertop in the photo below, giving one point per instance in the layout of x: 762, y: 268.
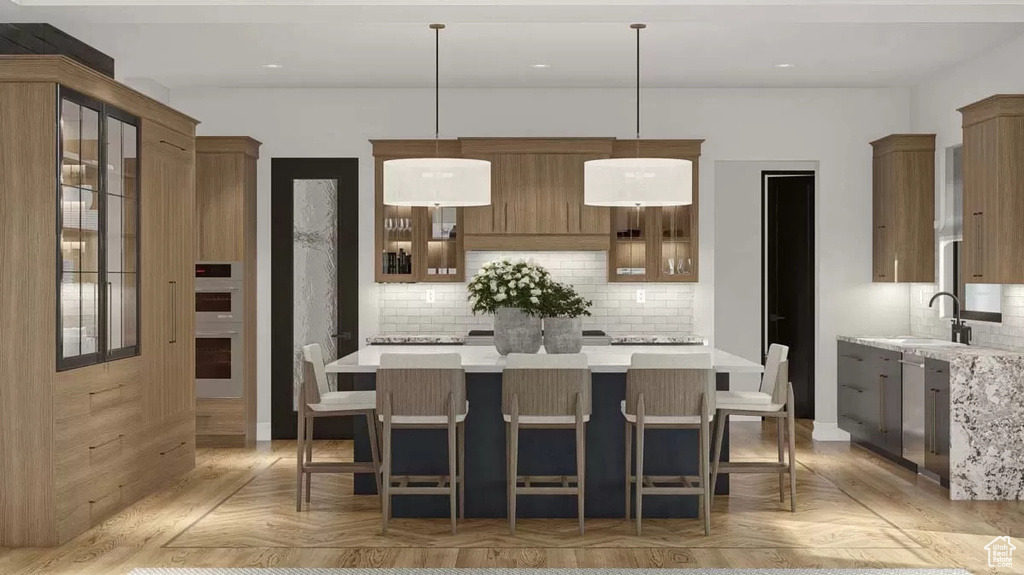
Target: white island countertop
x: 486, y: 359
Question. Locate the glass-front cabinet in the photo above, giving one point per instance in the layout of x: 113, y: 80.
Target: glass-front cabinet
x: 98, y: 232
x: 416, y: 244
x: 674, y: 249
x: 627, y: 256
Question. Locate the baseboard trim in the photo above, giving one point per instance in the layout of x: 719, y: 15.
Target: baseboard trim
x: 263, y: 431
x: 824, y: 431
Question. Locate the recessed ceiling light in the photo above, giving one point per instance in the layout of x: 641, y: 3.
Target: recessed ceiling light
x: 272, y: 66
x: 785, y: 65
x: 540, y: 66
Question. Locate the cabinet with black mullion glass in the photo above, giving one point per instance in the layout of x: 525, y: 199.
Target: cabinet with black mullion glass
x: 98, y: 232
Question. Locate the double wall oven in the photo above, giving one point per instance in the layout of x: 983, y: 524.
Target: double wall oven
x: 220, y: 329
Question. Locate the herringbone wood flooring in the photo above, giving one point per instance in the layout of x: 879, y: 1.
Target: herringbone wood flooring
x: 237, y: 509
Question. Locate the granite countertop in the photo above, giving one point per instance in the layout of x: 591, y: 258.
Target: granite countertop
x: 944, y: 351
x: 658, y: 340
x: 416, y: 339
x: 986, y: 415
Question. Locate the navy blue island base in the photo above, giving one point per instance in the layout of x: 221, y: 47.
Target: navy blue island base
x: 542, y: 452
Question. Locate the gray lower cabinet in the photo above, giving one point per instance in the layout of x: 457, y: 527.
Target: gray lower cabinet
x: 871, y: 396
x: 936, y: 417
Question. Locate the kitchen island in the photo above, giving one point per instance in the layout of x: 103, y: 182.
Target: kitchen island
x: 542, y: 452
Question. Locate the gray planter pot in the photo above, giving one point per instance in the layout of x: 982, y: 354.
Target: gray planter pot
x: 563, y: 334
x: 515, y: 331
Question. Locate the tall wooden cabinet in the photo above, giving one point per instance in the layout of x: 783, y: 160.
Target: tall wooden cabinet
x: 225, y: 223
x: 903, y: 192
x: 993, y: 210
x: 81, y: 443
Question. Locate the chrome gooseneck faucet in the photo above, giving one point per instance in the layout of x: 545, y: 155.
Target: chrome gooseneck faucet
x: 961, y: 332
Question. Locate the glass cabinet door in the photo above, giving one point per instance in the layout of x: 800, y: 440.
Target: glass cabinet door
x: 121, y: 236
x: 444, y: 251
x: 97, y: 232
x: 79, y: 232
x: 396, y: 229
x: 675, y: 252
x: 628, y: 254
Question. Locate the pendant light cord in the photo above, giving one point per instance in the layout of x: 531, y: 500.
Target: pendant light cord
x: 437, y: 87
x: 638, y: 28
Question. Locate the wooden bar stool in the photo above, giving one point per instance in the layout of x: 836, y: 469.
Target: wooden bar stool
x: 669, y: 391
x: 774, y: 399
x: 317, y: 400
x: 545, y: 392
x: 423, y: 391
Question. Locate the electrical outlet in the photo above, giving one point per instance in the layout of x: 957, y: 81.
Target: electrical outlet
x: 641, y: 295
x: 431, y: 296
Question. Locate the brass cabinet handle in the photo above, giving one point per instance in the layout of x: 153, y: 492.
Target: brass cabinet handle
x: 858, y: 390
x: 505, y: 208
x: 852, y: 357
x: 858, y: 422
x: 118, y: 386
x: 173, y: 145
x: 173, y: 287
x: 934, y: 429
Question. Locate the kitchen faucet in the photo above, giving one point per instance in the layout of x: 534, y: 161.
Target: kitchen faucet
x: 961, y: 332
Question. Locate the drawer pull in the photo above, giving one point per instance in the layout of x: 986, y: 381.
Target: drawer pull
x: 853, y: 388
x: 852, y: 357
x: 852, y: 419
x: 180, y: 445
x: 95, y: 501
x: 109, y: 389
x: 173, y: 145
x: 99, y: 445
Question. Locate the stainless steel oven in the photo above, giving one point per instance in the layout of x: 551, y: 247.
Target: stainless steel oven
x: 219, y: 297
x: 219, y: 360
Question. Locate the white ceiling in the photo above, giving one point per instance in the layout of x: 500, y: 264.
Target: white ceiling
x: 493, y: 46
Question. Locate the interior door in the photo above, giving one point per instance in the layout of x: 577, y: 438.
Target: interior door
x: 314, y: 279
x: 788, y: 272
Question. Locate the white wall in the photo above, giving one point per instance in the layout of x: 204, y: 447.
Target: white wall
x: 829, y: 126
x: 668, y: 309
x: 873, y: 308
x: 934, y: 105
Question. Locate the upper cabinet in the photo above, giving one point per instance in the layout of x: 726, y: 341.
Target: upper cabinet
x: 225, y: 198
x: 656, y: 244
x: 536, y: 204
x: 536, y: 195
x: 903, y: 191
x: 993, y: 210
x: 416, y: 244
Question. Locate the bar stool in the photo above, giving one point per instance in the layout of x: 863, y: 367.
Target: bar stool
x: 774, y: 399
x: 669, y: 391
x: 545, y: 392
x: 317, y: 400
x: 423, y: 391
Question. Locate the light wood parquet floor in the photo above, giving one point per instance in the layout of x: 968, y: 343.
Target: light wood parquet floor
x: 237, y: 509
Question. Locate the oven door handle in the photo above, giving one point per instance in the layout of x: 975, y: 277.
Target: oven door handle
x: 216, y: 333
x: 215, y: 290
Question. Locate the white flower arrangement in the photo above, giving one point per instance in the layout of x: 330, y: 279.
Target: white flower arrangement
x: 504, y: 283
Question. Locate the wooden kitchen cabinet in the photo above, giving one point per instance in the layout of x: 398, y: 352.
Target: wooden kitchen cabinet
x: 225, y: 223
x: 903, y: 208
x: 656, y: 244
x: 536, y: 195
x: 91, y: 440
x: 416, y: 243
x: 993, y: 196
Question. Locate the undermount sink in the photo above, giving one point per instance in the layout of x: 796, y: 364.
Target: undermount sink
x: 925, y: 342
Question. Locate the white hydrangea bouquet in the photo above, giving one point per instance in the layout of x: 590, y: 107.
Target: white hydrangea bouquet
x: 504, y: 283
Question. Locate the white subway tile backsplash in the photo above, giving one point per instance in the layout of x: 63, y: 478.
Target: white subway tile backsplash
x: 668, y: 307
x: 925, y: 321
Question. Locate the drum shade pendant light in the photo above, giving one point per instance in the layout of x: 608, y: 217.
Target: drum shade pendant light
x: 437, y: 182
x: 636, y: 182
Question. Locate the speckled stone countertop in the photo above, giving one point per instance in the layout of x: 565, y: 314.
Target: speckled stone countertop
x: 416, y: 339
x: 658, y: 340
x: 986, y: 416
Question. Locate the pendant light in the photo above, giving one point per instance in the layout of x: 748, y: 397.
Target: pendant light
x: 437, y: 181
x: 638, y: 182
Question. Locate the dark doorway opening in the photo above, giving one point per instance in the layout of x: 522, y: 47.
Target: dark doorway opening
x: 787, y: 276
x: 314, y: 278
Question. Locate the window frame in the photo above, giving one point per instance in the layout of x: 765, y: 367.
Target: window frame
x: 960, y: 291
x: 102, y: 354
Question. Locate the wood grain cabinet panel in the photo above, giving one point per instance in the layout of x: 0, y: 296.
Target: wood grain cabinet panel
x: 993, y: 211
x: 903, y: 208
x: 68, y: 449
x: 225, y: 222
